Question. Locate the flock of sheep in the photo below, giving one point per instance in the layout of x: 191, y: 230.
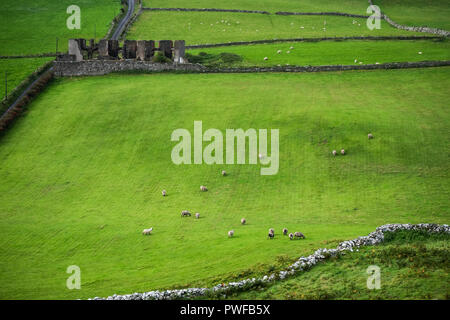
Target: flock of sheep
x: 334, y: 152
x: 271, y: 234
x: 186, y: 213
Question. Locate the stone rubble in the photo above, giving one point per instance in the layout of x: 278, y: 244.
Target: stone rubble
x: 302, y: 264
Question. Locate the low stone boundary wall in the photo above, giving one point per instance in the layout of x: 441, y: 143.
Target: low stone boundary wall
x: 340, y: 14
x: 267, y: 41
x: 437, y: 31
x: 302, y: 264
x: 102, y: 67
x: 392, y: 65
x: 206, y: 10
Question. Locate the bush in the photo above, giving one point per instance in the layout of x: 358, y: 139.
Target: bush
x: 161, y: 58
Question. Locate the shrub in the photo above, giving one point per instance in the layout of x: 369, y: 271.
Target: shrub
x: 161, y: 58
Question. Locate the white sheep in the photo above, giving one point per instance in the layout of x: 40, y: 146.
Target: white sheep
x: 285, y: 231
x: 334, y: 152
x: 146, y: 232
x: 230, y: 233
x: 291, y: 236
x: 164, y: 193
x: 203, y: 188
x: 343, y: 152
x: 265, y: 58
x: 243, y: 221
x: 370, y: 136
x: 271, y: 231
x: 197, y: 215
x: 224, y: 173
x: 279, y: 51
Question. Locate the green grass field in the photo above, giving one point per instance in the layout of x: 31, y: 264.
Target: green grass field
x: 348, y: 6
x: 411, y: 268
x: 213, y: 27
x: 431, y: 13
x: 82, y: 175
x: 335, y: 52
x: 33, y: 26
x: 17, y: 70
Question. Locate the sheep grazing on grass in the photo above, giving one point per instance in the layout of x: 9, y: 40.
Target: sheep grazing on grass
x: 334, y: 152
x: 185, y: 213
x: 224, y: 173
x: 203, y: 188
x: 164, y: 193
x: 279, y: 51
x: 370, y: 136
x: 271, y: 231
x: 197, y: 215
x: 147, y: 232
x: 243, y: 221
x: 230, y: 233
x: 343, y: 152
x: 299, y: 235
x: 291, y: 236
x: 271, y: 235
x: 285, y: 231
x: 265, y: 58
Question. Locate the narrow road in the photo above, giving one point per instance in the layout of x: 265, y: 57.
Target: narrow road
x: 122, y: 24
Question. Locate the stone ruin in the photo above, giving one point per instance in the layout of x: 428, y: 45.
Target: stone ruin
x: 143, y: 50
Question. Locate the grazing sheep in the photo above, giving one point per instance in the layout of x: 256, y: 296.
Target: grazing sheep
x: 271, y: 235
x: 164, y: 193
x: 285, y: 231
x: 224, y: 173
x: 271, y: 231
x: 197, y: 215
x: 279, y: 51
x: 185, y: 213
x: 334, y: 152
x: 343, y: 152
x: 230, y: 233
x: 299, y: 235
x: 203, y: 188
x: 265, y: 58
x: 243, y: 221
x: 291, y: 236
x: 147, y: 232
x: 370, y: 136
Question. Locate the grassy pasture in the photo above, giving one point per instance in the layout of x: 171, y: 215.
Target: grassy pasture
x: 30, y: 27
x: 18, y: 70
x: 348, y: 6
x: 213, y: 27
x: 82, y: 175
x: 431, y: 13
x: 336, y: 52
x: 410, y: 269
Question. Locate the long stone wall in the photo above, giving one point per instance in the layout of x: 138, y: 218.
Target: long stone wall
x: 369, y: 38
x: 302, y: 264
x: 393, y: 65
x: 437, y: 31
x: 206, y: 10
x: 339, y: 14
x: 102, y: 67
